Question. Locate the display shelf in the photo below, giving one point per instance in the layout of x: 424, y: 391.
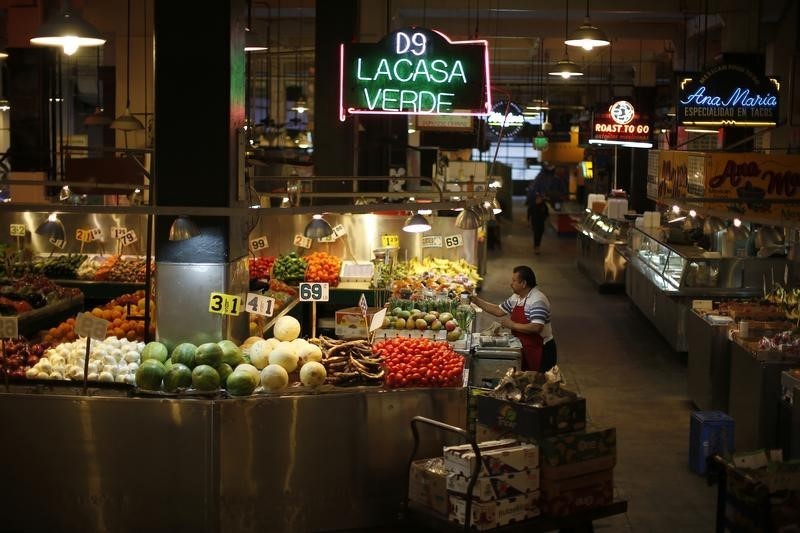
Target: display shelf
x: 49, y: 315
x: 101, y: 290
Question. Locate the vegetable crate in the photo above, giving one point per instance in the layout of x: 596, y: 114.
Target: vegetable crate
x: 710, y: 432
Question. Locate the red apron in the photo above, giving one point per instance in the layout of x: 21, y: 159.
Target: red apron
x: 531, y: 342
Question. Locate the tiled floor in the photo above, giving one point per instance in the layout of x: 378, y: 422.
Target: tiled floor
x: 631, y: 378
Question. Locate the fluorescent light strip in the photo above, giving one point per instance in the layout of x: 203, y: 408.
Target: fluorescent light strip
x: 630, y: 144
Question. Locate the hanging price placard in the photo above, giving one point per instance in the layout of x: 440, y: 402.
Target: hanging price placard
x: 453, y: 241
x: 260, y: 304
x: 432, y: 241
x: 313, y: 292
x: 390, y: 241
x: 377, y: 320
x: 224, y: 304
x: 58, y: 243
x: 17, y: 230
x: 84, y: 235
x: 259, y: 243
x: 117, y: 232
x: 128, y: 238
x: 302, y: 241
x: 330, y: 238
x: 97, y: 233
x: 338, y: 231
x: 362, y: 303
x: 90, y: 326
x: 9, y: 327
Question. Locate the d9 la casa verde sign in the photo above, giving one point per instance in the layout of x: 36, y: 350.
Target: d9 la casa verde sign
x: 414, y: 71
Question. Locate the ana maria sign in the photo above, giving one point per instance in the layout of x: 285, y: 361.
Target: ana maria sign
x: 728, y: 95
x: 414, y: 71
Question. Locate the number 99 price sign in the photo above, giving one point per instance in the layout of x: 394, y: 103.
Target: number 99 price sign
x: 313, y: 292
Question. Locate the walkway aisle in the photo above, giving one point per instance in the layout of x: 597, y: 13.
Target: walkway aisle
x: 631, y: 378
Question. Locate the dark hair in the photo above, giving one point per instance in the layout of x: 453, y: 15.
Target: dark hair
x: 526, y: 274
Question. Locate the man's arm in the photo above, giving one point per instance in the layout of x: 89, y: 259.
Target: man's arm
x: 530, y: 327
x: 492, y: 309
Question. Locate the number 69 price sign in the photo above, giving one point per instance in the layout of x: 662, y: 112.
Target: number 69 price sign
x: 314, y: 292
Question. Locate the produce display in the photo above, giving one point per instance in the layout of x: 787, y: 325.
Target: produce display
x: 420, y: 363
x: 29, y: 292
x: 323, y: 267
x: 350, y: 363
x: 111, y: 360
x: 429, y: 315
x: 432, y: 274
x: 260, y: 267
x: 786, y: 299
x: 20, y: 356
x: 126, y: 314
x: 290, y: 268
x: 785, y: 342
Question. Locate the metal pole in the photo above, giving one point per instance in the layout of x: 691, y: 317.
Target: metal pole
x: 615, y: 168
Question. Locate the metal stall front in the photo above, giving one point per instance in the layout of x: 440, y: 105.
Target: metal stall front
x: 599, y: 242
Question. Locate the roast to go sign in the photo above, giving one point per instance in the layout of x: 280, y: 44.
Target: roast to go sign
x: 622, y: 122
x: 415, y: 71
x: 728, y: 95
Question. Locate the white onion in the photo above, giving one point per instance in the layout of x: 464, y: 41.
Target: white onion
x: 106, y: 376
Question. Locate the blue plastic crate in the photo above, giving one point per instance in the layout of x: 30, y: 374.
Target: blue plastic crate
x: 710, y: 432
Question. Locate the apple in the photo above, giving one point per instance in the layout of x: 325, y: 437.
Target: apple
x: 450, y: 325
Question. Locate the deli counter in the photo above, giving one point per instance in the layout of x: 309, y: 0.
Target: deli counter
x: 663, y: 278
x: 599, y: 242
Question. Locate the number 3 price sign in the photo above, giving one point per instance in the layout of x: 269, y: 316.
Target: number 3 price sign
x: 8, y: 330
x: 313, y: 292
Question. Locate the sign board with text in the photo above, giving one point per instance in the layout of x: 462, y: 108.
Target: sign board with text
x: 622, y: 122
x: 414, y: 71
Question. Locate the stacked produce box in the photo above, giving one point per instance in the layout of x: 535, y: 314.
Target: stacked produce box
x: 576, y: 460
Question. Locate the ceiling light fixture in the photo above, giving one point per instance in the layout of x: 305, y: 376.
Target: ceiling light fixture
x: 566, y: 68
x: 587, y: 36
x: 468, y: 219
x: 416, y: 223
x: 126, y: 121
x: 183, y: 228
x: 52, y: 228
x: 318, y: 228
x: 67, y: 30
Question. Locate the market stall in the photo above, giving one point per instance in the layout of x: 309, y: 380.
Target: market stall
x: 599, y: 257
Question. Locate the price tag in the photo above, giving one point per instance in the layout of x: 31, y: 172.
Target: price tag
x: 432, y: 241
x: 58, y: 243
x: 84, y: 235
x: 453, y: 241
x: 329, y: 238
x: 128, y: 238
x: 117, y: 232
x: 362, y: 303
x: 90, y: 326
x: 8, y: 327
x: 390, y: 241
x: 302, y: 241
x: 97, y: 234
x: 313, y: 292
x: 260, y: 304
x: 377, y: 320
x: 338, y: 231
x: 17, y: 230
x: 259, y: 243
x: 224, y: 304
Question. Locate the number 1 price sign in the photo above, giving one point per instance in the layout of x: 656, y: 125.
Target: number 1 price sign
x: 8, y: 330
x: 313, y: 292
x: 89, y: 326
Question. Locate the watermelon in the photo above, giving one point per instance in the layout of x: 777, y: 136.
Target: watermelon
x: 168, y: 363
x: 204, y: 377
x: 209, y: 353
x: 231, y: 353
x: 149, y: 374
x: 240, y: 384
x: 224, y: 370
x: 177, y: 377
x: 184, y: 354
x: 155, y: 350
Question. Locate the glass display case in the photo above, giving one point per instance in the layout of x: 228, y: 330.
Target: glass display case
x: 599, y: 241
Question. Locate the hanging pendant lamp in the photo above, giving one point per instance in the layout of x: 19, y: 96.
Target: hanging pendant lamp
x: 67, y: 30
x: 126, y: 121
x: 566, y: 68
x: 416, y: 223
x: 587, y: 36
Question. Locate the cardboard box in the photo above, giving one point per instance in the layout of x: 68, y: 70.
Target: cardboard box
x: 350, y: 322
x: 577, y: 494
x: 531, y: 421
x: 484, y: 433
x: 427, y: 484
x: 489, y: 515
x: 495, y: 487
x: 578, y: 454
x: 497, y: 457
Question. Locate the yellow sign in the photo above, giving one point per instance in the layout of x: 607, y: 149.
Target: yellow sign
x: 390, y: 241
x: 84, y: 235
x: 224, y: 304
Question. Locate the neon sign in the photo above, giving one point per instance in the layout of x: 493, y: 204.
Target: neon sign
x: 728, y: 95
x: 621, y: 123
x: 510, y: 124
x: 414, y: 71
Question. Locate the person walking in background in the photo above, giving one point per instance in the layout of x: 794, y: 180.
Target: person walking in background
x: 537, y: 216
x: 527, y: 314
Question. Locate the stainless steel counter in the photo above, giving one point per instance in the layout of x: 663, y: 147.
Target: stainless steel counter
x: 599, y: 241
x: 709, y: 363
x: 278, y: 464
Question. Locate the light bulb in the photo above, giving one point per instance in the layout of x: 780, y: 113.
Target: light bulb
x: 737, y: 222
x: 71, y: 44
x: 676, y: 209
x: 692, y: 213
x: 587, y: 46
x: 565, y: 75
